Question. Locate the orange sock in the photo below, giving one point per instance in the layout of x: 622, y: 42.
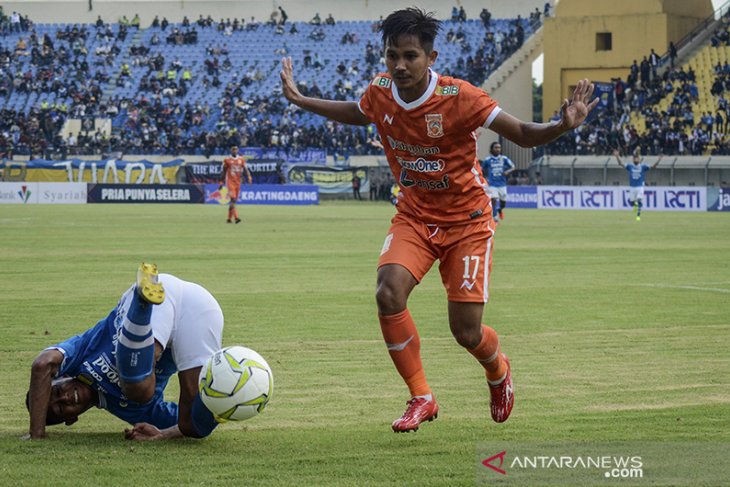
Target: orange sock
x: 404, y: 347
x: 230, y: 212
x: 487, y: 353
x: 235, y: 212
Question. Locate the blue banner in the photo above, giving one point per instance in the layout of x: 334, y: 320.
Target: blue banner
x: 522, y: 196
x: 718, y: 199
x: 265, y: 194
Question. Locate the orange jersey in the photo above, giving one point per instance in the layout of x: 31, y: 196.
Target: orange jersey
x: 431, y: 146
x: 233, y: 168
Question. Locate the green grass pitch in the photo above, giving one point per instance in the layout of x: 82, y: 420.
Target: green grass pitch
x: 617, y: 331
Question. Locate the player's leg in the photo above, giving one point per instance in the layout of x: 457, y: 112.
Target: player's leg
x: 234, y: 193
x: 465, y: 267
x: 135, y: 349
x: 502, y: 202
x: 482, y: 342
x: 640, y: 202
x: 404, y: 260
x: 235, y: 212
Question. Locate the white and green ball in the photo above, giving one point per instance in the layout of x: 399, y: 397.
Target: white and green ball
x: 236, y: 383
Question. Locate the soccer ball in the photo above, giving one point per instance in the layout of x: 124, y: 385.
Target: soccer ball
x: 236, y: 384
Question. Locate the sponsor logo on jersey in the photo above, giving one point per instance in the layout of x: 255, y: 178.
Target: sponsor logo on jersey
x: 447, y: 90
x: 421, y: 165
x: 388, y: 118
x: 429, y: 184
x: 415, y: 150
x: 434, y: 125
x: 382, y: 81
x: 102, y: 366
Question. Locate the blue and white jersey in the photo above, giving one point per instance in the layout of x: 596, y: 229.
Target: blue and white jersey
x: 189, y: 327
x: 495, y: 167
x: 636, y: 174
x: 91, y: 358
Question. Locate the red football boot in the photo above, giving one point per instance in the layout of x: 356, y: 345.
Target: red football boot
x: 418, y: 411
x: 502, y: 396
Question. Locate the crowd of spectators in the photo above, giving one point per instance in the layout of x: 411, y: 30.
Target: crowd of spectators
x: 674, y: 130
x: 87, y: 66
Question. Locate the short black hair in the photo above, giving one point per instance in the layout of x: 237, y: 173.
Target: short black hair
x: 411, y: 21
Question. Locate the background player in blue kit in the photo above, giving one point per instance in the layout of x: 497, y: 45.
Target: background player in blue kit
x: 636, y: 171
x: 160, y: 326
x: 496, y: 168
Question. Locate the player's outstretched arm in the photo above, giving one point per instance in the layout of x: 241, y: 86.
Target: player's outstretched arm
x: 659, y: 159
x: 43, y: 370
x: 618, y: 158
x: 530, y: 134
x: 340, y: 111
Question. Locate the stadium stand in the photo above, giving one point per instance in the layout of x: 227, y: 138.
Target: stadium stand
x: 199, y: 87
x: 681, y: 110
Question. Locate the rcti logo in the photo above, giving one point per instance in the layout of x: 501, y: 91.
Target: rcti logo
x: 497, y: 468
x: 596, y: 199
x: 682, y: 199
x: 24, y: 193
x: 558, y: 198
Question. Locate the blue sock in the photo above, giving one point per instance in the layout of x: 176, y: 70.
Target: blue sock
x: 495, y: 209
x: 638, y: 212
x: 136, y: 345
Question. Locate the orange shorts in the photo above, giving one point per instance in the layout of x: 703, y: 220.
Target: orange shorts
x: 234, y: 191
x: 464, y: 252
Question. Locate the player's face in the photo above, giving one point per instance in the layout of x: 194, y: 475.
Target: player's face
x: 496, y: 149
x: 234, y: 151
x: 637, y: 160
x: 69, y: 398
x: 408, y: 64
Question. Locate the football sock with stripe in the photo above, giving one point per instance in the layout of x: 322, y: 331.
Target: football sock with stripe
x: 488, y: 354
x: 404, y: 347
x: 136, y: 346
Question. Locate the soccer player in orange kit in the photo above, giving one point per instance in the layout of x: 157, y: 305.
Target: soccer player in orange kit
x: 427, y: 123
x: 233, y: 167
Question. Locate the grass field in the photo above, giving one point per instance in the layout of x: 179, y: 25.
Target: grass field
x: 617, y: 331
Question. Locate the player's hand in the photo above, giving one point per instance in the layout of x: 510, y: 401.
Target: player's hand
x: 143, y: 432
x: 575, y: 110
x: 288, y: 86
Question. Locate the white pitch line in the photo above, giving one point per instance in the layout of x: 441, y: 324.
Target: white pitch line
x: 694, y: 288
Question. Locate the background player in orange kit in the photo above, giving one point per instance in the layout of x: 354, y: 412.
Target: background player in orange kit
x: 231, y: 171
x: 427, y: 123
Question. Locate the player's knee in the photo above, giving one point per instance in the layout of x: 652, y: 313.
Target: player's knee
x: 390, y: 300
x: 467, y: 338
